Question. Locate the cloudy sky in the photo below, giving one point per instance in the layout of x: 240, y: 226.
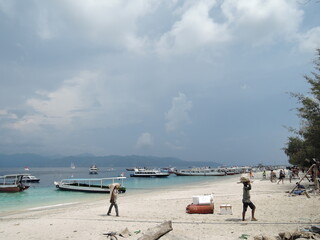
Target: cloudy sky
x: 198, y: 80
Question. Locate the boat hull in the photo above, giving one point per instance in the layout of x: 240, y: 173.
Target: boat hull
x: 91, y: 185
x: 150, y: 175
x: 90, y: 189
x: 31, y: 180
x: 199, y: 174
x: 8, y: 188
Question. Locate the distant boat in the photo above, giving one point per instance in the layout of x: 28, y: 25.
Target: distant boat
x: 26, y: 169
x: 73, y: 166
x: 12, y: 183
x: 200, y: 172
x: 30, y: 179
x: 92, y: 185
x: 93, y: 169
x: 149, y: 173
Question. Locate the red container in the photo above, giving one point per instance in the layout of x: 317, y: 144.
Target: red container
x: 200, y: 209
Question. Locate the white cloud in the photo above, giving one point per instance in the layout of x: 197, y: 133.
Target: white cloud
x: 88, y: 100
x: 178, y: 115
x: 60, y: 107
x: 202, y: 24
x: 195, y: 30
x: 310, y: 41
x: 144, y: 140
x: 263, y: 22
x: 112, y: 22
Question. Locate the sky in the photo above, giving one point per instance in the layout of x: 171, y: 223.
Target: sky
x: 200, y: 80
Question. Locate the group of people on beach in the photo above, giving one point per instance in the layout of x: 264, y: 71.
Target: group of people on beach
x: 114, y: 190
x: 282, y: 175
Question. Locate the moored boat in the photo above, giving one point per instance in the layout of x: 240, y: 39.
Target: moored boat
x: 30, y: 179
x: 93, y: 169
x: 149, y: 173
x: 199, y: 172
x: 12, y: 183
x: 72, y: 166
x: 92, y: 185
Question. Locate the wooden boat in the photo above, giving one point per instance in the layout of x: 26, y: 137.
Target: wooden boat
x: 200, y: 172
x: 200, y: 209
x: 149, y: 173
x: 92, y: 185
x: 12, y: 183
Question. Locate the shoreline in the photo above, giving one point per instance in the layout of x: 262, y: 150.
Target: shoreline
x: 276, y: 212
x: 85, y: 197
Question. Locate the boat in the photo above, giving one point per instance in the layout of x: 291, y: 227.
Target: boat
x: 30, y: 179
x: 72, y: 166
x: 12, y: 183
x: 130, y: 169
x: 143, y: 172
x: 92, y: 185
x: 200, y: 172
x: 93, y: 169
x: 227, y: 171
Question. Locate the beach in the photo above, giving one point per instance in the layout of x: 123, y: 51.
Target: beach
x: 276, y: 212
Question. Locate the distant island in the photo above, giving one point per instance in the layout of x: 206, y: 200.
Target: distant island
x: 85, y: 160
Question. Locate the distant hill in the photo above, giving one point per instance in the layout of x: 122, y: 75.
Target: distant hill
x: 85, y: 160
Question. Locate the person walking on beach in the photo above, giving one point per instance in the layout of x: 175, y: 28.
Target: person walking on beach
x: 247, y: 202
x: 281, y: 176
x: 113, y: 198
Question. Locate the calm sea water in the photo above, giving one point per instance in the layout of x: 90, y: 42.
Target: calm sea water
x: 45, y: 193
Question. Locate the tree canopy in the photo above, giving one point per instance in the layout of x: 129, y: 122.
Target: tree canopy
x: 306, y: 142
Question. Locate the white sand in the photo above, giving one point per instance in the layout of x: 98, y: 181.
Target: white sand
x: 276, y: 212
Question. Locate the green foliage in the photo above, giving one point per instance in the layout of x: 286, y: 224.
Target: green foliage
x: 306, y: 145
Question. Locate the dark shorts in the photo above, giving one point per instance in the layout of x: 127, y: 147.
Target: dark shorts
x: 246, y: 204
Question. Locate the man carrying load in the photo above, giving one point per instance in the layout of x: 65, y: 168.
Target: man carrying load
x: 246, y: 199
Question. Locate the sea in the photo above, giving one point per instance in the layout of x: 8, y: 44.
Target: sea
x: 45, y: 195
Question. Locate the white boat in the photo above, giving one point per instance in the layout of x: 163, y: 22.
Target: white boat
x: 93, y: 169
x: 142, y: 172
x: 93, y: 185
x: 199, y: 172
x: 30, y: 178
x: 12, y: 183
x: 72, y: 166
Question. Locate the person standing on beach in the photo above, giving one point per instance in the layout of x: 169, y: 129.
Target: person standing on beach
x: 247, y: 202
x: 290, y: 175
x: 113, y: 199
x: 264, y: 174
x: 271, y: 175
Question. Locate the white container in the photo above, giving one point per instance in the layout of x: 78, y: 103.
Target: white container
x: 202, y: 199
x: 225, y: 209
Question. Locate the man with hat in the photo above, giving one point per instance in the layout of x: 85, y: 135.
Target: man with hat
x: 246, y: 199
